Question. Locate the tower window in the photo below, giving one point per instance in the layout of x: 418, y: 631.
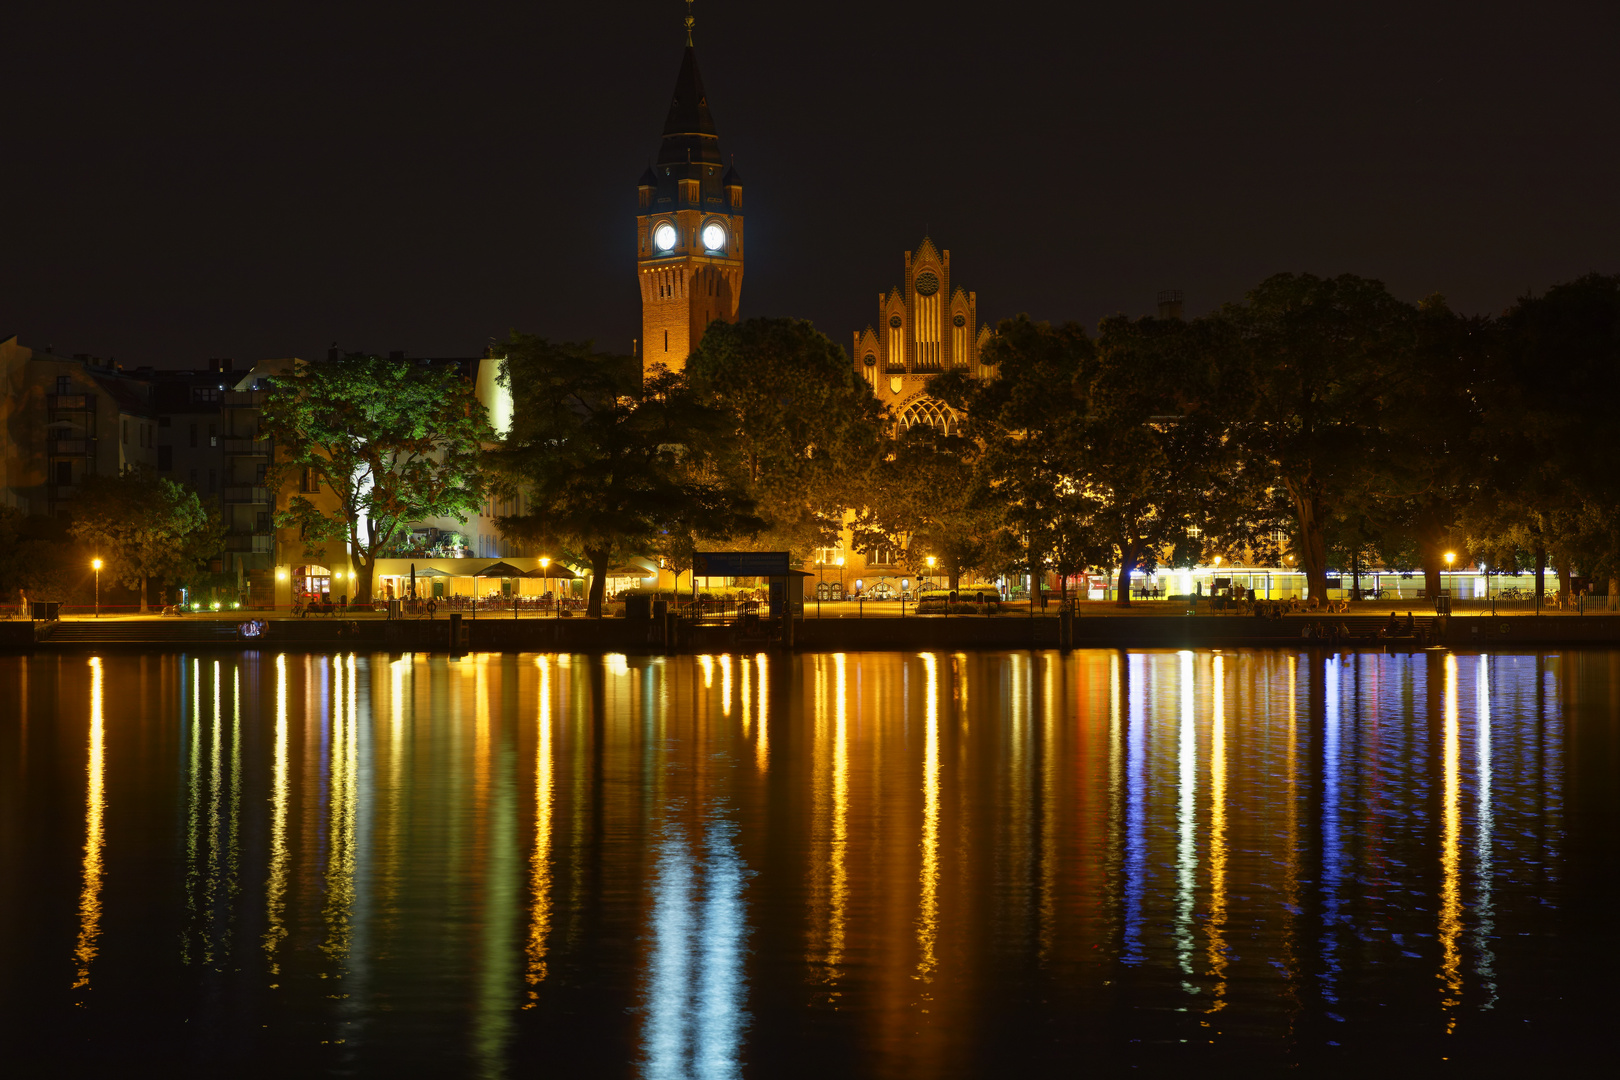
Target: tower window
x: 666, y: 341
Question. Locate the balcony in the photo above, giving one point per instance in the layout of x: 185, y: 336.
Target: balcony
x: 242, y: 399
x: 71, y: 402
x: 248, y: 447
x: 72, y: 448
x: 257, y: 543
x: 247, y: 494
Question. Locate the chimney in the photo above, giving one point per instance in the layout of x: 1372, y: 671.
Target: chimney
x: 1170, y: 303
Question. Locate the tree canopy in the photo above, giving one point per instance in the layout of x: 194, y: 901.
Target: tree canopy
x: 144, y: 527
x: 607, y: 467
x: 374, y: 445
x: 805, y: 430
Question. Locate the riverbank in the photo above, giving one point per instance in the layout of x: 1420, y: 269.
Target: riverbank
x: 1133, y: 629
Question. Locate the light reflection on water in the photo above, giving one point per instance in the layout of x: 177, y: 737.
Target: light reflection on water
x: 763, y: 864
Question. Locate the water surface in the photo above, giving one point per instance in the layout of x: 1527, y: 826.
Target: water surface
x: 887, y: 864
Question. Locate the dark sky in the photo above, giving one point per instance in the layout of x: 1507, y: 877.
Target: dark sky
x: 187, y: 180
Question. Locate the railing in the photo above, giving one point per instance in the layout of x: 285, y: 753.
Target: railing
x: 257, y: 543
x: 71, y: 402
x: 254, y: 447
x: 247, y: 494
x: 242, y: 399
x: 72, y: 448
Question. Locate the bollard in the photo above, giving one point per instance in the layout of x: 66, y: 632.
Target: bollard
x: 455, y: 633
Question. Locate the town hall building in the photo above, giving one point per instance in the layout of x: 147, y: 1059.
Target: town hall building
x: 924, y: 329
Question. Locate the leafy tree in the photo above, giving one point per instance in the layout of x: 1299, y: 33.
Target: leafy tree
x: 1321, y: 359
x: 144, y: 527
x: 392, y: 441
x: 42, y: 559
x: 927, y: 499
x: 606, y: 466
x: 1024, y: 420
x: 1150, y: 449
x: 806, y: 430
x: 1551, y: 382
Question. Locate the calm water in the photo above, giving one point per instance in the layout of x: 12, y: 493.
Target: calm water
x: 866, y: 864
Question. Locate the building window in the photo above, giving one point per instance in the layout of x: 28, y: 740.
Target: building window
x: 213, y: 434
x: 193, y: 434
x: 926, y: 411
x: 64, y: 385
x: 204, y: 393
x: 882, y: 556
x: 829, y: 556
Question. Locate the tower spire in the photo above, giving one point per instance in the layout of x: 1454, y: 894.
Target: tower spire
x: 689, y: 23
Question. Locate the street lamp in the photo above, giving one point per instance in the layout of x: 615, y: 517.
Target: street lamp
x: 840, y: 562
x: 95, y: 564
x: 930, y: 571
x: 1451, y: 557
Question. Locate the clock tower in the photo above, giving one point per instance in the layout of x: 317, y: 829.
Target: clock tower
x: 689, y: 229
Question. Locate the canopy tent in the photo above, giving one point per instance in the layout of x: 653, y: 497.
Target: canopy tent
x: 631, y: 570
x: 431, y: 571
x: 500, y: 570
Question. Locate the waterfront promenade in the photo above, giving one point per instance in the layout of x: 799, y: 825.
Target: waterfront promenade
x: 839, y: 626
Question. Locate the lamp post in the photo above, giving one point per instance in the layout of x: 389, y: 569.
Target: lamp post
x: 545, y: 568
x: 930, y: 571
x: 1451, y: 557
x: 95, y: 564
x: 840, y: 562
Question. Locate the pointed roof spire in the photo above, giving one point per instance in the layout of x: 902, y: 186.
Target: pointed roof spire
x: 689, y: 132
x: 690, y: 22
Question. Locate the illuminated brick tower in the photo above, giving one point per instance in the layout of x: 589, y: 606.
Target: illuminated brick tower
x: 689, y: 228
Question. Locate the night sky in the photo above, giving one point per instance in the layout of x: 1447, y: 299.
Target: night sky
x: 185, y: 180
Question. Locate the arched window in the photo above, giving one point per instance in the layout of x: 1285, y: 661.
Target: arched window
x: 930, y: 412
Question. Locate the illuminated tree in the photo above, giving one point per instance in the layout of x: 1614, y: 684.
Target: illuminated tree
x: 389, y: 442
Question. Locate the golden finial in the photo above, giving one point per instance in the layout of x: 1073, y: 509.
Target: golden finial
x: 689, y: 22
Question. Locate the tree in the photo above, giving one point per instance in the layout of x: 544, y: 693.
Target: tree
x: 393, y: 441
x: 928, y: 499
x: 144, y: 527
x: 1552, y: 378
x: 1024, y: 420
x: 1151, y: 455
x: 605, y: 465
x: 1321, y: 359
x: 806, y: 430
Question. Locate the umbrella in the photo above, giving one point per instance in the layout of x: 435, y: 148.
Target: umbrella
x: 498, y: 569
x: 431, y: 571
x: 413, y: 581
x: 630, y: 570
x: 555, y: 571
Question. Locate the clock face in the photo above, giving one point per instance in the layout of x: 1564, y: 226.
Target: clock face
x: 714, y: 237
x: 664, y: 236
